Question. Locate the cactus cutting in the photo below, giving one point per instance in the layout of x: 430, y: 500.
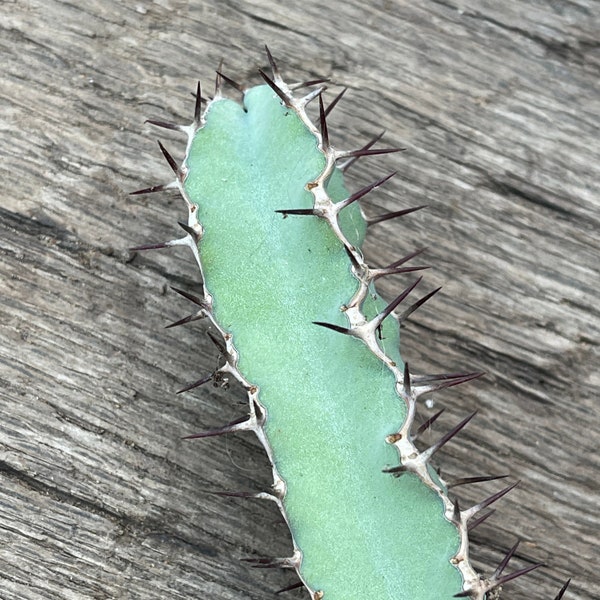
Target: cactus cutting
x: 298, y: 322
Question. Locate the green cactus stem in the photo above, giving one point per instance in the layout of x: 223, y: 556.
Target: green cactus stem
x: 278, y: 238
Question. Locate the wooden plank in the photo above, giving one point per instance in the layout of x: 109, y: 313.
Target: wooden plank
x: 497, y: 104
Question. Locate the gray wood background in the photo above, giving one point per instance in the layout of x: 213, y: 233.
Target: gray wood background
x: 497, y: 103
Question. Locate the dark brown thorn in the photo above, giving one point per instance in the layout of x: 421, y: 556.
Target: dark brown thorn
x: 480, y: 520
x: 393, y: 215
x: 195, y: 384
x: 219, y: 343
x: 219, y: 79
x: 288, y: 588
x: 296, y: 211
x: 394, y: 303
x: 195, y: 299
x: 396, y: 471
x: 272, y: 63
x: 434, y: 377
x: 447, y: 437
x: 151, y: 190
x: 164, y: 124
x: 333, y: 327
x: 323, y: 123
x: 312, y: 82
x: 198, y: 105
x: 456, y: 518
x: 368, y: 145
x: 352, y: 258
x: 450, y: 382
x: 516, y: 574
x: 491, y: 499
x: 189, y: 319
x: 428, y: 423
x: 411, y: 309
x: 505, y: 561
x: 150, y: 247
x: 189, y: 230
x: 275, y: 88
x: 364, y: 191
x: 470, y: 480
x: 406, y: 380
x: 400, y: 270
x: 335, y: 101
x: 231, y: 82
x: 371, y: 152
x: 259, y: 413
x: 231, y: 427
x: 169, y: 158
x: 406, y: 258
x: 563, y: 589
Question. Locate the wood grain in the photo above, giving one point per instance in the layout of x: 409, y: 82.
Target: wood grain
x: 498, y: 106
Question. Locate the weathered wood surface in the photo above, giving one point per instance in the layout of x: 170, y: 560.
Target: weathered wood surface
x: 498, y: 105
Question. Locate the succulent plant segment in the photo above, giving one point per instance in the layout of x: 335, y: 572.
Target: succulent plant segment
x: 299, y: 323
